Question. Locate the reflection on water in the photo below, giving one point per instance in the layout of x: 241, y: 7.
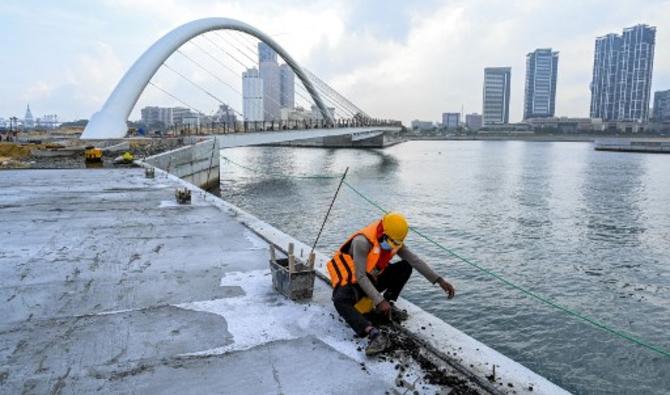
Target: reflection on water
x: 587, y: 229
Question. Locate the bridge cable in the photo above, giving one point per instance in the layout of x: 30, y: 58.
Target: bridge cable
x: 533, y: 295
x: 253, y: 62
x: 175, y: 98
x: 209, y: 72
x: 314, y: 78
x: 208, y: 93
x: 245, y: 68
x: 321, y: 92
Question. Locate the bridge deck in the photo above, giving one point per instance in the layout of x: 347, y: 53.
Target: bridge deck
x: 257, y: 138
x: 108, y: 285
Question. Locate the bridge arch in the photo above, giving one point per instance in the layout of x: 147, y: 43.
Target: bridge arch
x: 110, y: 121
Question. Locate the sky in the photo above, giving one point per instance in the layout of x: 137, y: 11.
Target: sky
x: 395, y: 59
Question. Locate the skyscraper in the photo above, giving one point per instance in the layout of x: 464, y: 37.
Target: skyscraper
x: 287, y: 86
x: 269, y: 73
x: 252, y: 95
x: 496, y: 94
x: 622, y: 70
x: 266, y: 53
x: 541, y: 73
x: 605, y: 64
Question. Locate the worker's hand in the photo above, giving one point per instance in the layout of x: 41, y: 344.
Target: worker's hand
x: 448, y: 288
x: 384, y: 307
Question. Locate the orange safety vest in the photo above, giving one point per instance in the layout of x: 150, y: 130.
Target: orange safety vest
x: 341, y: 267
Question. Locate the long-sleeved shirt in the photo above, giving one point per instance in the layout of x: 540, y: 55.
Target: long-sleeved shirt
x: 360, y: 248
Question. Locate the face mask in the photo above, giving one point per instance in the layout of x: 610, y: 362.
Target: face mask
x: 385, y: 245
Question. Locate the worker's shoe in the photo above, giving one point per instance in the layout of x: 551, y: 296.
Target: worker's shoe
x: 378, y: 342
x: 398, y: 315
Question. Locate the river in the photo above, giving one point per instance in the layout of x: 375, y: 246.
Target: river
x: 589, y: 230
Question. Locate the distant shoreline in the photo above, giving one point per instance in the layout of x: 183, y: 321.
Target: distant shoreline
x: 539, y: 138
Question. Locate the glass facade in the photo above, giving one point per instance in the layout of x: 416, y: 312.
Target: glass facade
x: 540, y: 93
x: 496, y: 95
x: 622, y: 70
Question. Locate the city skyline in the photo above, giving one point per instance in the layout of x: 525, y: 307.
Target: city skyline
x: 385, y: 60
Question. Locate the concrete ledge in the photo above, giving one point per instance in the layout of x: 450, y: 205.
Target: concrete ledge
x: 456, y: 348
x: 197, y: 164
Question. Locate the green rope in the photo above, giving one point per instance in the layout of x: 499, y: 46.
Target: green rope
x: 532, y: 294
x: 303, y: 177
x: 595, y: 323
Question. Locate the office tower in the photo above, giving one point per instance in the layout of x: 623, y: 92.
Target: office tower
x: 540, y: 93
x: 252, y: 95
x: 287, y: 86
x: 496, y: 95
x: 622, y: 70
x: 269, y: 73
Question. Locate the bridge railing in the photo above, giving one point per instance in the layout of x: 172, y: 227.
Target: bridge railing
x: 223, y: 127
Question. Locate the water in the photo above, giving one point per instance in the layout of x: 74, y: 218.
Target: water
x: 588, y: 229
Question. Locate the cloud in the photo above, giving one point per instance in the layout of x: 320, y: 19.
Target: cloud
x: 82, y: 87
x: 395, y: 59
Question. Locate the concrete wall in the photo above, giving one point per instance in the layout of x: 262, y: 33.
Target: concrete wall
x: 386, y: 139
x: 197, y: 164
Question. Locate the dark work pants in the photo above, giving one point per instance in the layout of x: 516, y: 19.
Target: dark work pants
x: 390, y: 281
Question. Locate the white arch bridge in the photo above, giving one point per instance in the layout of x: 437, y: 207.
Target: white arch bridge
x: 331, y: 115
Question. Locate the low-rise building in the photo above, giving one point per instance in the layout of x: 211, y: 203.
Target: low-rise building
x: 565, y: 124
x: 661, y: 112
x: 153, y: 116
x: 224, y: 115
x: 473, y: 121
x: 422, y: 125
x: 295, y: 114
x: 451, y: 120
x: 47, y: 121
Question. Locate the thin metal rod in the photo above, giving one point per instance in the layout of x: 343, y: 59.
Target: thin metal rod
x: 329, y: 208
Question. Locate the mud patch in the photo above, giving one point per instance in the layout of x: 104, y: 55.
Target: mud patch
x: 403, y: 348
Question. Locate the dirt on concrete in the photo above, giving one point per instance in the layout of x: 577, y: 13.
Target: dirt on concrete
x: 405, y: 351
x: 70, y: 154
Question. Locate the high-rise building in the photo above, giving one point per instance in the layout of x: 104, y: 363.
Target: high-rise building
x: 496, y: 95
x: 473, y: 121
x: 28, y: 121
x: 662, y: 106
x: 541, y: 73
x: 287, y: 86
x: 252, y: 95
x: 622, y: 70
x: 605, y: 65
x: 269, y: 72
x: 266, y: 53
x: 451, y: 120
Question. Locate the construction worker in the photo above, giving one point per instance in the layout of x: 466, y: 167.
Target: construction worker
x: 361, y: 267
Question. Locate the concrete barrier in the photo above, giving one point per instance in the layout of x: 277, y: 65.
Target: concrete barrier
x: 197, y: 164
